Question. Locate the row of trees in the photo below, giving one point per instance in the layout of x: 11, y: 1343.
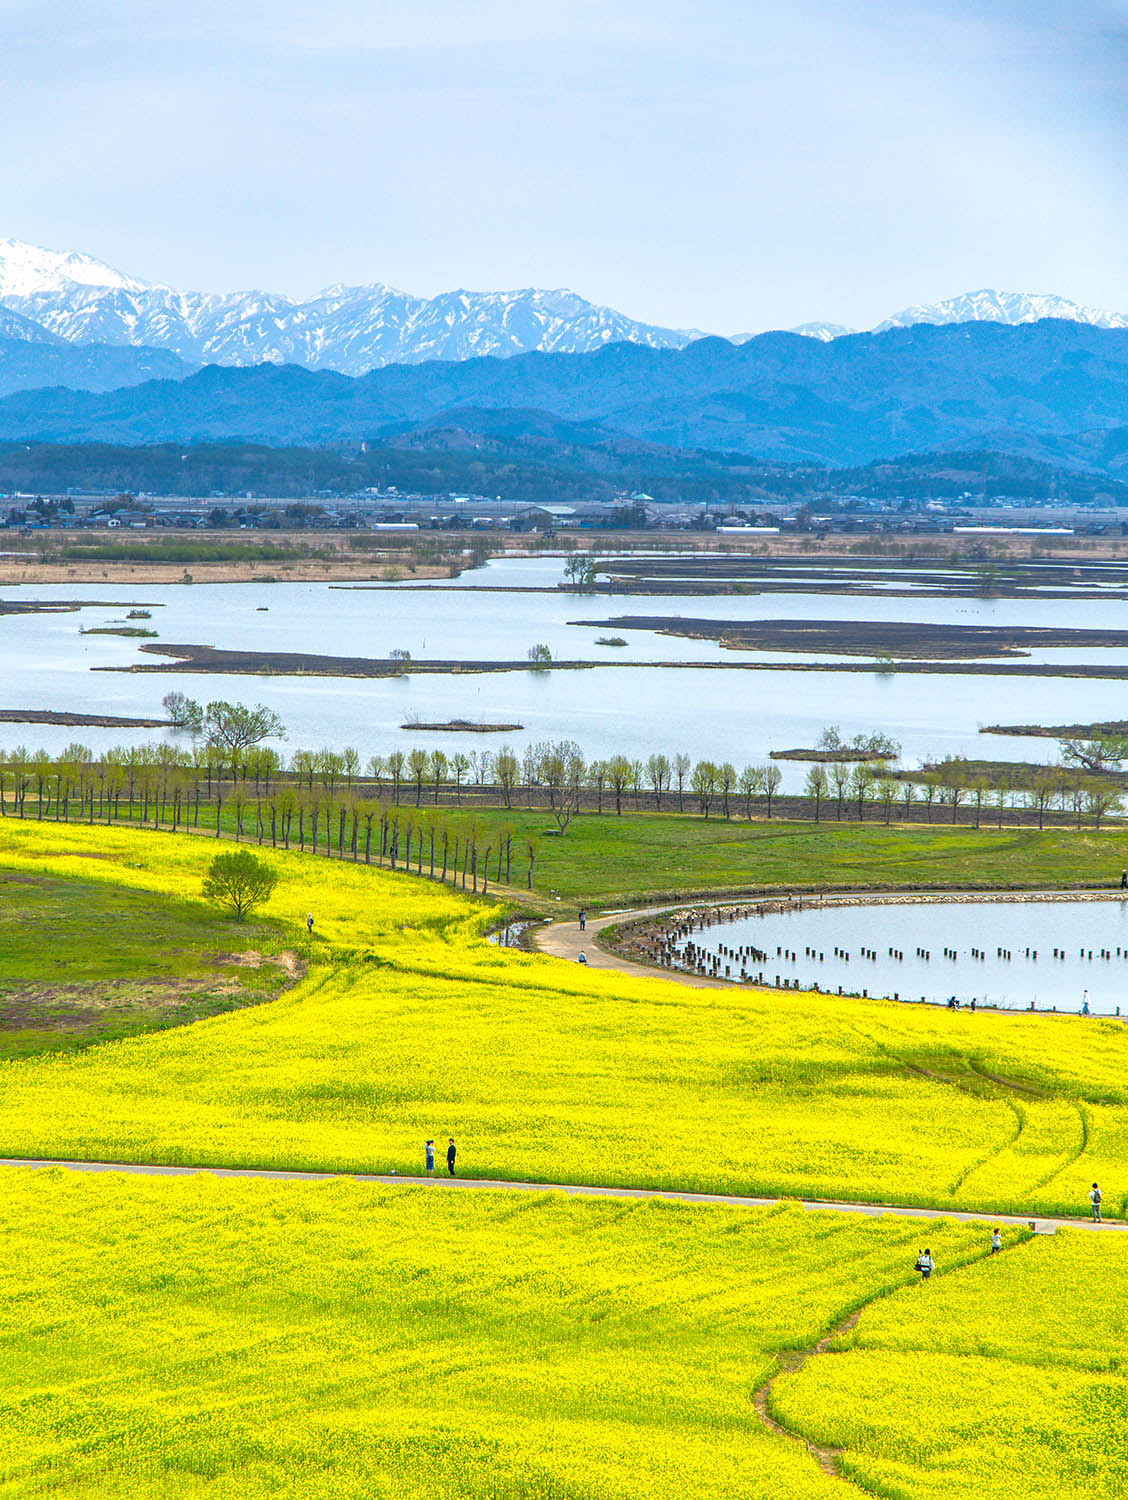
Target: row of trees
x: 958, y: 783
x: 170, y: 783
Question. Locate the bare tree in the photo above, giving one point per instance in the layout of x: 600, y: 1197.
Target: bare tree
x: 682, y: 766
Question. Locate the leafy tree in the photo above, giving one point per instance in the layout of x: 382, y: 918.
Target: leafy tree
x: 682, y: 765
x: 234, y: 728
x: 619, y: 773
x: 1100, y: 799
x: 418, y: 762
x: 507, y: 769
x: 751, y: 785
x: 540, y: 656
x: 1101, y: 753
x: 658, y: 774
x: 459, y: 766
x: 183, y: 712
x: 580, y: 570
x: 840, y: 776
x: 772, y: 776
x: 438, y: 769
x: 394, y: 764
x: 239, y: 882
x: 816, y: 786
x: 562, y: 773
x: 726, y: 781
x: 703, y: 784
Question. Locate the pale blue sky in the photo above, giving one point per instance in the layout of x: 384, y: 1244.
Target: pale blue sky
x: 724, y: 164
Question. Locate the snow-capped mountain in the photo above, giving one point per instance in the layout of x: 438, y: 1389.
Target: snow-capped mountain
x: 1003, y: 307
x: 14, y: 326
x: 351, y: 329
x: 824, y: 332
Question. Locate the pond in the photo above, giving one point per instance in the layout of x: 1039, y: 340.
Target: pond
x: 1003, y: 952
x: 707, y: 706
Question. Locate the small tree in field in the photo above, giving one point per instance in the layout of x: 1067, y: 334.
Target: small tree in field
x: 239, y: 882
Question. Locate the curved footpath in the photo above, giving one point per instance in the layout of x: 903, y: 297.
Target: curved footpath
x: 565, y: 940
x: 585, y: 1190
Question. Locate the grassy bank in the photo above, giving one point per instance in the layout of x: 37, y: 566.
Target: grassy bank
x: 86, y: 961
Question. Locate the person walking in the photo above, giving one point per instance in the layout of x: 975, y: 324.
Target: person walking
x: 996, y: 1242
x: 1095, y: 1202
x: 583, y: 919
x: 925, y: 1264
x: 1085, y: 1003
x: 429, y: 1150
x: 450, y: 1156
x: 309, y: 924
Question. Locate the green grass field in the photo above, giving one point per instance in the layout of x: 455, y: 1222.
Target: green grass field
x: 87, y: 961
x: 610, y: 860
x: 639, y: 857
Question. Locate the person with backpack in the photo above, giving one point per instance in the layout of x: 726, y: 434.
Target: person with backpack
x: 450, y: 1156
x: 925, y: 1264
x: 996, y: 1242
x: 1095, y: 1202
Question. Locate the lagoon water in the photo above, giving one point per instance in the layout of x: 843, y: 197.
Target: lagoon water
x: 829, y: 946
x: 721, y: 712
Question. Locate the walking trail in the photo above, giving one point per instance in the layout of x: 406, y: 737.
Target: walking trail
x: 584, y: 1190
x: 565, y: 940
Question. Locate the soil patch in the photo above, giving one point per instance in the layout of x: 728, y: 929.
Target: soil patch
x: 904, y: 639
x: 1112, y: 729
x: 463, y: 726
x: 827, y: 757
x: 95, y: 721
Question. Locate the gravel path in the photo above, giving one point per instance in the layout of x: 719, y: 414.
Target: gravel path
x: 582, y: 1190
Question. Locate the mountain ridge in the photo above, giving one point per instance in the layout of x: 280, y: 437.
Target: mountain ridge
x: 779, y: 397
x: 354, y: 329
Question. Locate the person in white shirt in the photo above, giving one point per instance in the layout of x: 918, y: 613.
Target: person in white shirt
x: 925, y: 1264
x: 996, y: 1242
x: 1095, y: 1201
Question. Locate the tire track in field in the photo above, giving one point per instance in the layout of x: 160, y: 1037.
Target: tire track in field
x: 954, y: 1083
x: 1074, y: 1156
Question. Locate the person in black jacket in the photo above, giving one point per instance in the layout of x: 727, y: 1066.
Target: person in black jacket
x: 450, y: 1156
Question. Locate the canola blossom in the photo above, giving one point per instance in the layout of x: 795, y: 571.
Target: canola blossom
x: 1006, y: 1379
x: 169, y: 1339
x: 410, y: 1025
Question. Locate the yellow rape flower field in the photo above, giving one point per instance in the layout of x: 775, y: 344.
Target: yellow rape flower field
x: 193, y: 1337
x: 232, y: 1338
x: 409, y: 1025
x: 1007, y: 1379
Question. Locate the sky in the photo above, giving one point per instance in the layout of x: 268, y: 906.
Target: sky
x: 726, y: 165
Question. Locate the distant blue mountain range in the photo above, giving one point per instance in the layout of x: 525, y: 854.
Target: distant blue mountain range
x: 1050, y: 388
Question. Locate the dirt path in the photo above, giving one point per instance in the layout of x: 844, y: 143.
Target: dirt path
x: 583, y: 1190
x: 788, y: 1362
x: 565, y: 939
